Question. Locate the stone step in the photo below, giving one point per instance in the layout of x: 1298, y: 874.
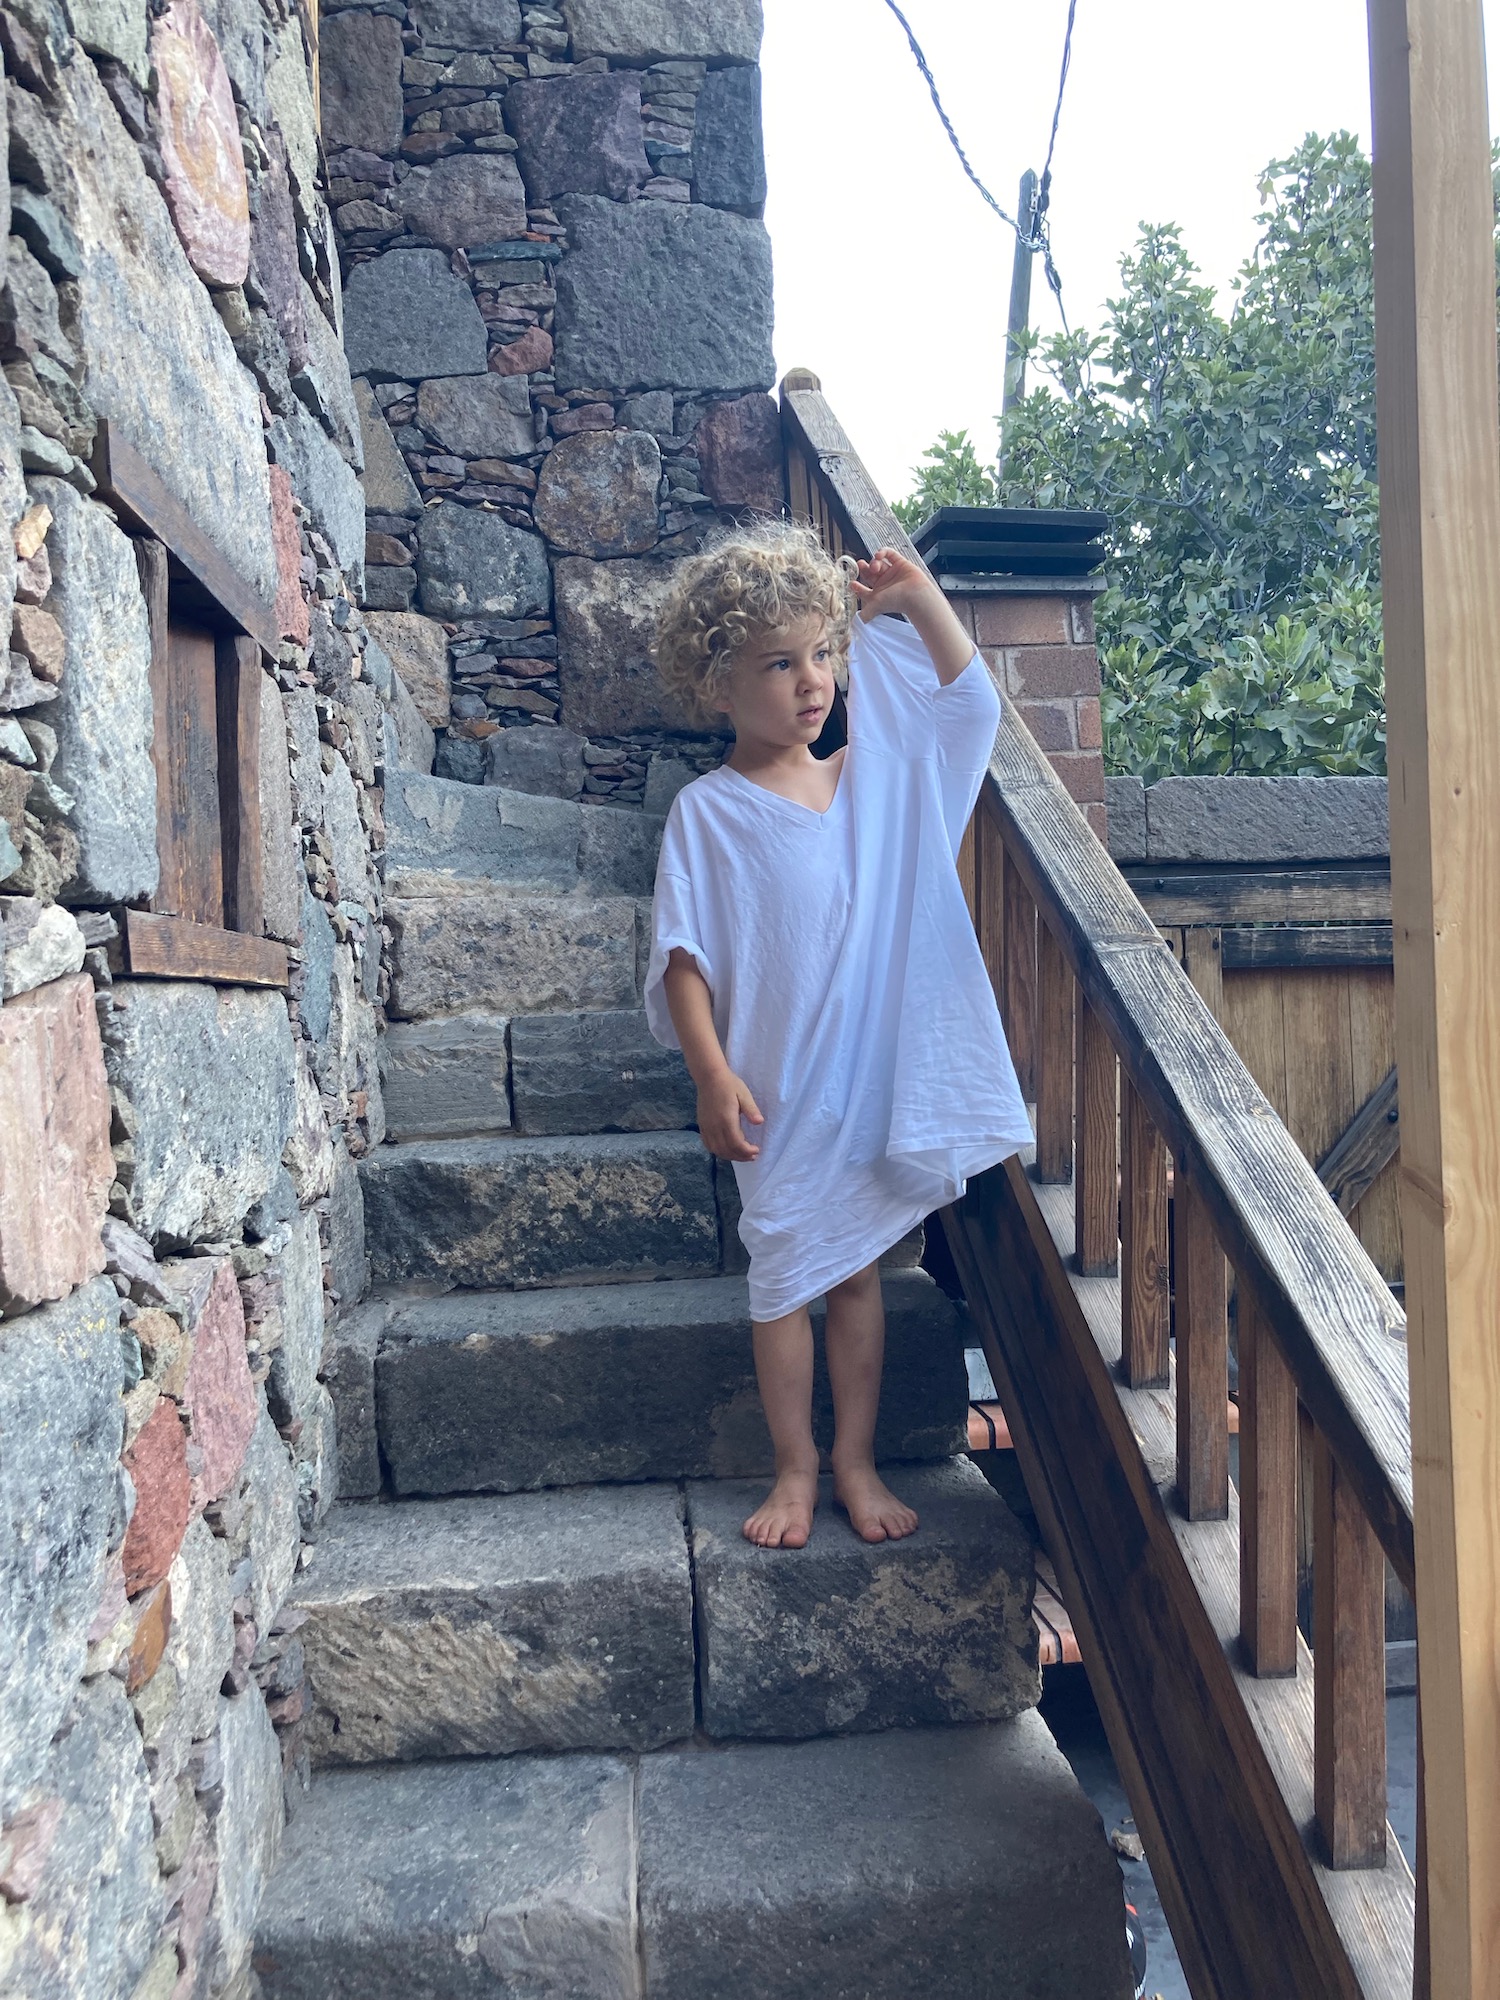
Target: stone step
x: 541, y: 1211
x: 545, y: 1621
x: 499, y: 1392
x: 950, y: 1863
x: 477, y: 1075
x: 439, y: 831
x: 851, y: 1635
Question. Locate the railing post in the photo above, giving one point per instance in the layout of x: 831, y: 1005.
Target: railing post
x: 1096, y: 1193
x: 989, y: 867
x: 1054, y: 1061
x: 1202, y: 1360
x: 1268, y: 1496
x: 1018, y: 990
x: 1145, y: 1279
x: 1348, y: 1671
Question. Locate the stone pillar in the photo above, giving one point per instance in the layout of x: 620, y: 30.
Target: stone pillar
x: 1040, y: 645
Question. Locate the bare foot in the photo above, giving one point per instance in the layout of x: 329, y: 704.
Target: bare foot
x: 875, y: 1514
x: 784, y: 1520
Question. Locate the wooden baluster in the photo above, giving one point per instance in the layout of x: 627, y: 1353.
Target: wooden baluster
x: 1018, y: 994
x: 1268, y: 1496
x: 1054, y: 1061
x: 1145, y: 1270
x: 1348, y: 1671
x: 1202, y: 1359
x: 968, y: 868
x: 989, y: 857
x: 798, y: 485
x: 1096, y: 1194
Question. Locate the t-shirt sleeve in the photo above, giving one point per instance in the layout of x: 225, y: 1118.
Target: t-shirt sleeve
x: 675, y: 926
x: 891, y: 685
x: 966, y: 714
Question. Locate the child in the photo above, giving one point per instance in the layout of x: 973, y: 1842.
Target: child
x: 813, y: 958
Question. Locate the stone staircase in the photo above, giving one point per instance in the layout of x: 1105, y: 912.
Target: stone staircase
x: 575, y: 1738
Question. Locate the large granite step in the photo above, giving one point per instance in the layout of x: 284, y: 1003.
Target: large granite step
x: 852, y: 1635
x: 541, y: 1211
x: 546, y: 1621
x: 953, y: 1864
x: 497, y: 1391
x: 439, y: 832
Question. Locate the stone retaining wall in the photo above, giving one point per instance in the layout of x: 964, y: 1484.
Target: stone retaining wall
x: 180, y: 1216
x: 1249, y: 820
x: 558, y: 312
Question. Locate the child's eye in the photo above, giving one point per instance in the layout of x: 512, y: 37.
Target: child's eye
x: 777, y: 664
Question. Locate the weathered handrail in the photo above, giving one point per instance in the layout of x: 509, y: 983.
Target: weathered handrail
x: 1179, y: 1171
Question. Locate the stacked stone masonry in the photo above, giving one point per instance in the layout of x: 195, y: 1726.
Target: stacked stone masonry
x: 180, y: 1212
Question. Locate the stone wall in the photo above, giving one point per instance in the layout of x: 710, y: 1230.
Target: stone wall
x: 180, y: 1218
x: 1249, y: 820
x: 558, y: 312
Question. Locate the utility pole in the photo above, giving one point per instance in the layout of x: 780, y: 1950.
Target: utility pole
x: 1020, y: 307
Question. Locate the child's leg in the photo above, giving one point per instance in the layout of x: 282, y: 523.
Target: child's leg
x: 784, y: 1370
x: 855, y: 1342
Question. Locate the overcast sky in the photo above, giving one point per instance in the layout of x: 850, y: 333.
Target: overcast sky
x: 892, y: 276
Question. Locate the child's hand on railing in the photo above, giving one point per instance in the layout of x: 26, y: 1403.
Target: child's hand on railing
x: 722, y: 1103
x: 889, y: 582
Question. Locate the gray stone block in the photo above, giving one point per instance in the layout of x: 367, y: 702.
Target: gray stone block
x: 541, y: 1211
x: 478, y: 416
x: 194, y: 412
x: 472, y: 564
x: 325, y: 483
x: 654, y: 30
x: 656, y: 293
x: 474, y: 1881
x: 467, y: 24
x: 475, y: 1628
x: 491, y: 949
x: 946, y: 1863
x: 606, y: 630
x: 92, y: 1927
x: 852, y: 1635
x: 389, y: 487
x: 665, y: 778
x: 406, y: 316
x: 102, y: 714
x: 294, y: 1364
x: 60, y: 1416
x: 729, y: 161
x: 283, y: 880
x: 349, y: 1376
x: 270, y: 1488
x: 247, y: 1833
x: 1268, y: 819
x: 317, y: 968
x: 436, y: 826
x: 546, y: 762
x: 348, y: 1262
x: 359, y: 70
x: 500, y: 1392
x: 579, y: 135
x: 208, y: 1072
x: 409, y: 742
x: 618, y: 849
x: 598, y: 1072
x: 322, y: 383
x: 449, y: 1079
x: 1125, y: 809
x: 465, y: 200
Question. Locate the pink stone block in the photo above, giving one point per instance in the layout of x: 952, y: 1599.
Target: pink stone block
x: 201, y: 149
x: 157, y: 1464
x: 739, y: 449
x: 55, y: 1161
x: 219, y: 1396
x: 524, y: 356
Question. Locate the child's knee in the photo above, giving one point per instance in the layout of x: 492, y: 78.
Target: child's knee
x: 861, y: 1284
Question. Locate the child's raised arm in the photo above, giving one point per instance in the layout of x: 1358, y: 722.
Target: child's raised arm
x: 892, y: 582
x: 723, y: 1100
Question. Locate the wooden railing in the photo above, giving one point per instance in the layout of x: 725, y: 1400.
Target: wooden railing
x: 1162, y: 1199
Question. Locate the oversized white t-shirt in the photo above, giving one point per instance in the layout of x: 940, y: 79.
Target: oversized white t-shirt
x: 848, y: 988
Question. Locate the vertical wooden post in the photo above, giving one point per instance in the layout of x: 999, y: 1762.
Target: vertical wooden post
x: 1145, y: 1257
x: 1440, y: 529
x: 1348, y: 1671
x: 1018, y: 992
x: 990, y: 867
x: 1268, y: 1496
x: 1096, y: 1118
x: 239, y: 677
x: 1054, y: 1061
x: 1202, y: 1361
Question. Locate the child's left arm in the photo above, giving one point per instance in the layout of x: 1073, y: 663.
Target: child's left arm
x: 892, y: 582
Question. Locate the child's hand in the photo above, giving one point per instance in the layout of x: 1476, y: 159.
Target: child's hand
x: 721, y: 1106
x: 891, y: 582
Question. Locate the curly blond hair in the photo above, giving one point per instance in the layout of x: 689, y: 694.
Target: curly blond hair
x: 748, y: 581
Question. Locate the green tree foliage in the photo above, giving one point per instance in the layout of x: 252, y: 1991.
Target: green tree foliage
x: 1235, y: 458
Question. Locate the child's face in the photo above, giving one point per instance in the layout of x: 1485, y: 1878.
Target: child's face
x: 781, y: 686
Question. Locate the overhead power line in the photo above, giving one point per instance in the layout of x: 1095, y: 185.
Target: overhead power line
x: 1036, y: 233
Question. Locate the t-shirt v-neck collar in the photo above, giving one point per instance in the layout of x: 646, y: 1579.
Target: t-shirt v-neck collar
x: 775, y: 799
